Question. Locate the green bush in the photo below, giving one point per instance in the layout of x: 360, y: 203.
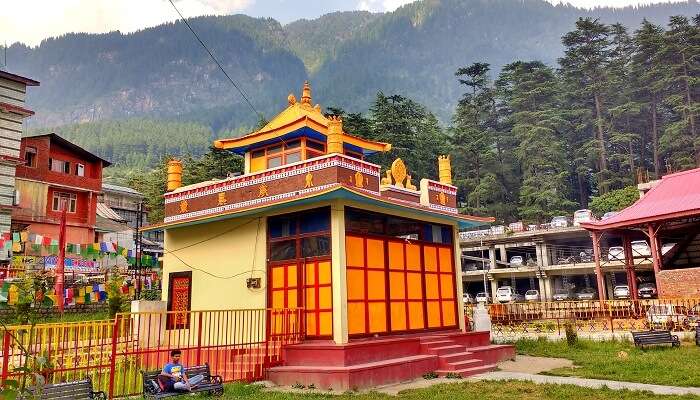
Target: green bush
x: 614, y: 200
x: 571, y: 335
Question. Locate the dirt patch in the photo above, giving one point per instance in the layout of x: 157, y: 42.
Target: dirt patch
x: 534, y: 365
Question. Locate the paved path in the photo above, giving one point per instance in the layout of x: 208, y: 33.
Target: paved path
x: 591, y: 383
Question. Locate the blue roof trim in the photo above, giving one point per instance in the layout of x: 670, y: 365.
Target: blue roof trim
x: 301, y: 132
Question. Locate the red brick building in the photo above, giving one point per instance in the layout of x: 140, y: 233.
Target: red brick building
x: 56, y: 174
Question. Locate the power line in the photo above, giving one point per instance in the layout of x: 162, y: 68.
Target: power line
x: 259, y: 114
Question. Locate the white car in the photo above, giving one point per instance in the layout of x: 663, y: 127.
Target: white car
x: 647, y: 291
x: 621, y: 292
x: 616, y: 253
x: 560, y: 222
x: 582, y: 216
x: 609, y: 214
x: 482, y: 297
x: 516, y: 261
x: 506, y: 294
x: 640, y: 248
x: 532, y: 295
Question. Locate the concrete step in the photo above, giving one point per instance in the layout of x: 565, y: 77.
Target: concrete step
x: 493, y: 353
x: 436, y: 342
x: 459, y: 365
x: 455, y: 357
x: 449, y: 349
x: 465, y: 372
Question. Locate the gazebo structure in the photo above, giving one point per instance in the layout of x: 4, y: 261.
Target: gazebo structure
x: 667, y: 217
x: 370, y: 258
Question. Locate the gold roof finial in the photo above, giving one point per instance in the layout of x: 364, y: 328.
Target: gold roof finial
x: 291, y: 99
x: 306, y: 93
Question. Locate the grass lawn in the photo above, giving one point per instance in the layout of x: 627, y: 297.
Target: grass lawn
x: 660, y: 365
x: 459, y: 390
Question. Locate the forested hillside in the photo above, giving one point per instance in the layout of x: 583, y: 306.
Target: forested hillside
x: 162, y: 73
x: 541, y: 140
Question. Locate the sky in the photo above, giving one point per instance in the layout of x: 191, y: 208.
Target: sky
x: 30, y: 21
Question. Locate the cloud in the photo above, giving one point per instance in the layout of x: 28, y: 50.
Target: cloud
x: 30, y: 21
x: 381, y: 5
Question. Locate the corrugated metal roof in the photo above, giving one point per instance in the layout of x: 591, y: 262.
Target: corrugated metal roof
x: 116, y: 188
x: 105, y: 212
x: 676, y: 196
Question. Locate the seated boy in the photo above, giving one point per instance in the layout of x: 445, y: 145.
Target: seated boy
x: 173, y: 376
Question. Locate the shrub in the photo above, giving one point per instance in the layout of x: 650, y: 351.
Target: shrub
x: 571, y: 335
x: 430, y: 375
x: 115, y: 299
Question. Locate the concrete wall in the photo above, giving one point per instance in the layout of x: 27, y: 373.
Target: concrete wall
x: 235, y: 252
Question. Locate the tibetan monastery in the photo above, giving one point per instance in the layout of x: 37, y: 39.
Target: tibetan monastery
x: 371, y: 258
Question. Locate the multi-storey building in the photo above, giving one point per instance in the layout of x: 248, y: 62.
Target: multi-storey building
x: 57, y: 174
x: 13, y: 111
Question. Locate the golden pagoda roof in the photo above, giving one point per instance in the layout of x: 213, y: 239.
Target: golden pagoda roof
x: 297, y: 115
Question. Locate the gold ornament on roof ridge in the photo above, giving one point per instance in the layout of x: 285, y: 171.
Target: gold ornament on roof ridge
x: 306, y: 94
x: 399, y: 172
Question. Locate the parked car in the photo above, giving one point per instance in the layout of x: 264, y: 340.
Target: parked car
x: 516, y: 261
x: 562, y: 295
x: 498, y: 230
x: 609, y: 214
x: 516, y: 227
x: 506, y: 294
x: 560, y: 222
x: 467, y: 298
x: 640, y: 248
x: 482, y: 297
x: 582, y: 216
x: 616, y: 253
x: 621, y: 292
x: 667, y: 316
x: 666, y: 247
x: 587, y: 294
x: 532, y: 295
x: 646, y: 291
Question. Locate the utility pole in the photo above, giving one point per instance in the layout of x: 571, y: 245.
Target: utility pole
x: 483, y: 270
x: 60, y: 270
x: 138, y: 250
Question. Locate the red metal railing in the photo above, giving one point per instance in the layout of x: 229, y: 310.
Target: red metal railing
x: 237, y: 345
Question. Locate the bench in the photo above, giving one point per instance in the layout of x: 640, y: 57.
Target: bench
x: 78, y: 390
x: 644, y: 338
x: 212, y: 384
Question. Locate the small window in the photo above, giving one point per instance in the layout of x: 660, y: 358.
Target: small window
x: 274, y: 150
x: 293, y: 145
x: 273, y: 162
x: 315, y: 246
x: 293, y: 157
x: 80, y: 170
x: 30, y: 156
x: 66, y: 167
x: 67, y: 201
x: 59, y: 166
x: 311, y: 144
x: 283, y: 250
x: 258, y: 153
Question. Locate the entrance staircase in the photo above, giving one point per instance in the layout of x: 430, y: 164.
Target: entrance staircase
x: 380, y: 361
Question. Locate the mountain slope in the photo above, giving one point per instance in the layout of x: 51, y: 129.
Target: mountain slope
x: 163, y: 73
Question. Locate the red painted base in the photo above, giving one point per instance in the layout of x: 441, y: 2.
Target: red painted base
x: 379, y: 361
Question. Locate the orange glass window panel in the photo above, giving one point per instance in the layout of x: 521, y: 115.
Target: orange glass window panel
x: 325, y: 297
x: 448, y: 313
x: 415, y: 312
x: 354, y: 251
x: 278, y: 299
x: 377, y: 317
x: 356, y: 317
x: 397, y: 286
x: 356, y: 284
x: 433, y: 314
x: 311, y: 324
x: 324, y: 273
x: 396, y: 255
x: 430, y: 258
x: 257, y: 164
x: 311, y: 299
x: 415, y: 286
x: 291, y: 275
x: 375, y: 253
x: 413, y: 257
x: 445, y: 259
x: 326, y: 322
x: 310, y: 276
x: 447, y: 290
x: 398, y: 316
x: 277, y: 277
x: 292, y: 298
x: 431, y: 287
x: 375, y: 285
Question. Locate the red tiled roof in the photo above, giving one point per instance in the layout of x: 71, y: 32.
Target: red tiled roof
x: 676, y: 196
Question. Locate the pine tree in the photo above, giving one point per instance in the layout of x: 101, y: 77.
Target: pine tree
x: 584, y: 68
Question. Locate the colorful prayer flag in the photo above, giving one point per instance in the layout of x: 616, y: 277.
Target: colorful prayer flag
x: 15, y: 237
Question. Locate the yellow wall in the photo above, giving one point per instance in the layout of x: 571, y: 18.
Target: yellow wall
x: 233, y: 251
